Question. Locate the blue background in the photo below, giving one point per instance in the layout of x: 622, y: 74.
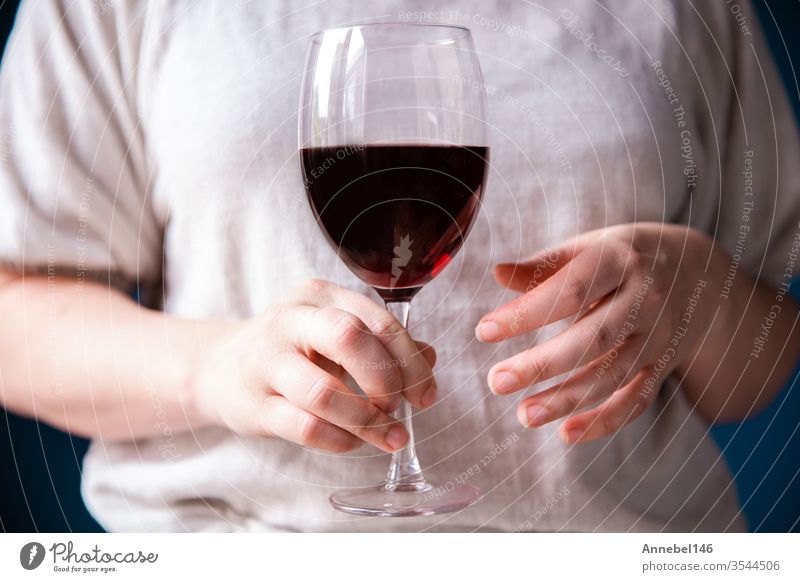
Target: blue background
x: 40, y: 466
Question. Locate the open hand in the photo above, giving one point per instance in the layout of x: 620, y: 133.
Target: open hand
x: 637, y: 291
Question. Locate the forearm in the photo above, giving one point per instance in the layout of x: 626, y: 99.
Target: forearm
x: 748, y: 353
x: 90, y: 361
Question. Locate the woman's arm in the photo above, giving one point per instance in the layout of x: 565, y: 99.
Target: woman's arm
x: 90, y: 361
x: 752, y: 345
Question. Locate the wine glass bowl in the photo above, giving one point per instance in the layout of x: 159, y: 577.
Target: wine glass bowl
x: 394, y: 158
x: 396, y: 213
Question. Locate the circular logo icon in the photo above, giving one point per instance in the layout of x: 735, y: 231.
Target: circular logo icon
x: 31, y: 555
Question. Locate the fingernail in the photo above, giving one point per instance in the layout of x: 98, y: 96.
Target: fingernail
x: 504, y: 382
x: 537, y: 415
x: 397, y: 437
x: 488, y: 331
x: 573, y: 435
x: 429, y: 397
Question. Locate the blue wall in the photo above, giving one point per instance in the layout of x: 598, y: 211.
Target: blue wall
x: 40, y: 466
x: 764, y: 457
x: 764, y: 453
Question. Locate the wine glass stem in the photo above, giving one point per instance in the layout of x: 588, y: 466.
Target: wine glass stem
x: 405, y: 473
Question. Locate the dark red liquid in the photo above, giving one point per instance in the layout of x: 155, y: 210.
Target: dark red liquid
x: 395, y: 213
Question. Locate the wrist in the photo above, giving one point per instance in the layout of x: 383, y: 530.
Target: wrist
x: 704, y: 278
x: 204, y: 345
x: 717, y: 310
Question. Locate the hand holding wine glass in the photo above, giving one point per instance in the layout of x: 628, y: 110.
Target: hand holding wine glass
x: 282, y: 373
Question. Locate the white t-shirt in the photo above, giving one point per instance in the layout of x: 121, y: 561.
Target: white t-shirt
x: 139, y: 131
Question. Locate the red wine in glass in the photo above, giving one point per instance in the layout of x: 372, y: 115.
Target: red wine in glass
x: 395, y: 213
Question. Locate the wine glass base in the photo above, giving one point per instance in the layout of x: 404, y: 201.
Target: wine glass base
x: 409, y: 501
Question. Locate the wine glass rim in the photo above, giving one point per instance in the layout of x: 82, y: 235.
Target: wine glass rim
x: 462, y: 30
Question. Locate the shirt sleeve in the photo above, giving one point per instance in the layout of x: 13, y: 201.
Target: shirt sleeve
x: 74, y: 174
x: 756, y: 136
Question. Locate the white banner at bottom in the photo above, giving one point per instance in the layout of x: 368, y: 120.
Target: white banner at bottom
x: 400, y: 557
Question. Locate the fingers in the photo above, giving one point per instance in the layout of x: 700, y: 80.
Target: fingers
x: 622, y: 408
x: 588, y: 277
x: 418, y: 383
x: 336, y: 370
x: 427, y: 352
x: 344, y: 339
x: 321, y: 394
x: 593, y: 275
x: 604, y: 327
x: 529, y: 274
x: 294, y: 424
x: 590, y: 385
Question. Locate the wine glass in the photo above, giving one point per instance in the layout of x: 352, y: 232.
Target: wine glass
x: 394, y: 157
